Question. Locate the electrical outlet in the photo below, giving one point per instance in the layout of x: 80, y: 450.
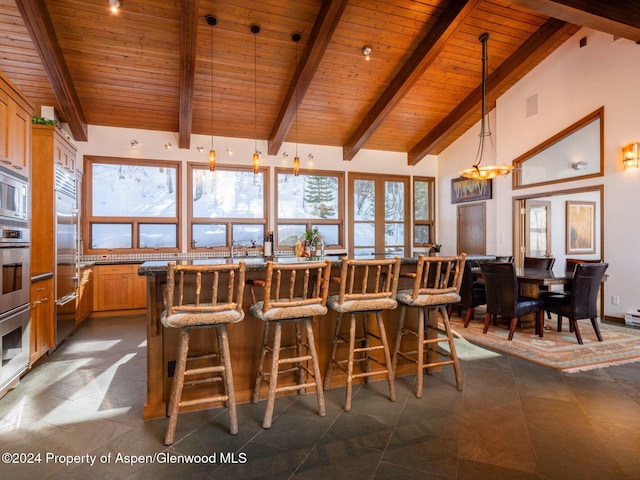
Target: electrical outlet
x: 615, y: 300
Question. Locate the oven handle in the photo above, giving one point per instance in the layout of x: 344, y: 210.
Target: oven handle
x: 66, y: 299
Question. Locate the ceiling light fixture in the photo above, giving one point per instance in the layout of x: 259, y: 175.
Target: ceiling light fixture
x: 134, y: 143
x: 366, y: 51
x: 114, y: 5
x: 255, y: 161
x: 211, y: 20
x: 296, y: 160
x: 479, y: 171
x: 168, y: 146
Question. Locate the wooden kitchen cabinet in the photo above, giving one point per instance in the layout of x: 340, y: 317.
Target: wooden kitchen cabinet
x: 15, y: 134
x: 42, y: 313
x: 49, y: 146
x: 84, y: 302
x: 118, y: 287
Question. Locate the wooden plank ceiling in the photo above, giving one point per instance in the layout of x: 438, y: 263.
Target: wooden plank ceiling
x: 160, y: 65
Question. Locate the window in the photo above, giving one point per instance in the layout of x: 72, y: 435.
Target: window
x: 306, y: 202
x: 227, y: 205
x: 132, y: 205
x: 379, y: 214
x: 424, y: 232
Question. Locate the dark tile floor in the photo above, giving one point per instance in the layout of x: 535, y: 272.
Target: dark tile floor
x: 514, y: 420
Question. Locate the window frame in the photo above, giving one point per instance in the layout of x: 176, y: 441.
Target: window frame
x: 229, y: 222
x: 309, y: 222
x: 379, y: 216
x: 89, y: 219
x: 431, y: 214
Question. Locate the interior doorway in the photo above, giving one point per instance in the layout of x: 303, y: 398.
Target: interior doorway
x: 537, y: 228
x: 472, y: 229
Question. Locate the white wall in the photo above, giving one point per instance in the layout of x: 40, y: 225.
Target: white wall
x: 570, y: 83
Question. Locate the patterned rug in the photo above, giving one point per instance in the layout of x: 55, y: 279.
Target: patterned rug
x: 559, y: 350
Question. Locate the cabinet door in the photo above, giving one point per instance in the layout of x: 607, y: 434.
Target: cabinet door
x: 139, y: 290
x: 20, y: 139
x: 4, y: 127
x: 41, y: 331
x: 85, y: 296
x: 114, y: 289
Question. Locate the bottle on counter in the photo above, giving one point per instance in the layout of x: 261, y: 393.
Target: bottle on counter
x: 268, y: 244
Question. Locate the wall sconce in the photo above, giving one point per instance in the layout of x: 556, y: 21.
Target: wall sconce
x: 630, y: 157
x: 168, y: 146
x: 579, y: 165
x: 134, y: 143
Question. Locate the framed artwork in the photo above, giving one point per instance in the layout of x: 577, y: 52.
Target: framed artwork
x: 468, y: 190
x: 581, y: 227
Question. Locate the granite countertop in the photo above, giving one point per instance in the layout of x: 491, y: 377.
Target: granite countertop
x: 253, y: 264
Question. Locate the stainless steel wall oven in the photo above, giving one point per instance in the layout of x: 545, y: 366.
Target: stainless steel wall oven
x: 14, y: 304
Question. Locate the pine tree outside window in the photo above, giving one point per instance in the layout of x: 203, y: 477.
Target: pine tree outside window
x: 309, y: 201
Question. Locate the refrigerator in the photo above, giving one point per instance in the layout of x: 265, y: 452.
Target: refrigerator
x: 66, y: 272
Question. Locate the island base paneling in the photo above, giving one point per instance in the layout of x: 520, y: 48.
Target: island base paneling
x: 245, y: 340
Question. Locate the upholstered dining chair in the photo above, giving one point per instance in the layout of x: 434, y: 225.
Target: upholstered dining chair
x: 582, y: 301
x: 217, y: 302
x: 504, y: 299
x: 472, y: 294
x: 539, y: 263
x: 436, y: 285
x: 367, y: 288
x: 292, y: 295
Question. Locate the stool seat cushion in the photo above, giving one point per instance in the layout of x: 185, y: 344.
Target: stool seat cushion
x: 366, y: 305
x: 287, y: 313
x: 405, y: 297
x: 187, y: 319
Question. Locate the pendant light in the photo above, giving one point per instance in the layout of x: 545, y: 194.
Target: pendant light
x: 478, y: 170
x: 211, y: 20
x: 255, y: 29
x: 296, y: 161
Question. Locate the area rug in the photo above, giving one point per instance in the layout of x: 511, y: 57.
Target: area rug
x: 559, y: 350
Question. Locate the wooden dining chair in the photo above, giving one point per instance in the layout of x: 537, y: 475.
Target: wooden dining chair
x: 216, y: 302
x: 504, y: 299
x: 582, y: 301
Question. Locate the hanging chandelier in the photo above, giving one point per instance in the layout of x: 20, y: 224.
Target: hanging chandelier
x: 479, y: 171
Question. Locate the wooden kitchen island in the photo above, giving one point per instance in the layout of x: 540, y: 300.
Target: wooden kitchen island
x: 244, y: 337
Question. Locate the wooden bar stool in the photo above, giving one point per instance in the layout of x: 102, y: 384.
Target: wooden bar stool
x: 294, y: 293
x: 197, y: 297
x: 436, y: 285
x: 367, y: 287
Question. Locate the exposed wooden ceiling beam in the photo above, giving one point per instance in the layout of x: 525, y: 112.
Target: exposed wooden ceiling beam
x: 423, y: 56
x: 323, y: 28
x: 617, y: 17
x: 533, y: 51
x: 188, y: 40
x: 38, y: 22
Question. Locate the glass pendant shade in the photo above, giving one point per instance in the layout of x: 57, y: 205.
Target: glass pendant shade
x: 296, y: 166
x: 212, y: 159
x: 256, y: 162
